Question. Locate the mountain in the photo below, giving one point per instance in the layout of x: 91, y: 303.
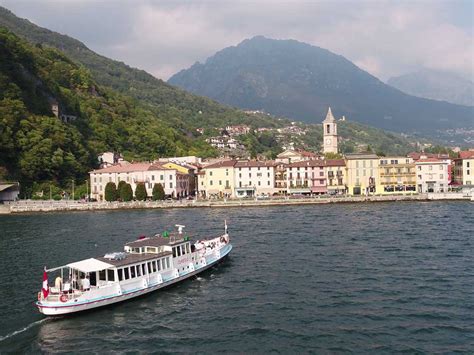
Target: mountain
x: 437, y: 85
x: 297, y: 80
x: 176, y: 106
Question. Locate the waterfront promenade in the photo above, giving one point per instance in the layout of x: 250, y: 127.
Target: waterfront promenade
x: 26, y: 206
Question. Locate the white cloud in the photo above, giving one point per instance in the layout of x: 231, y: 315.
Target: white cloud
x: 385, y: 38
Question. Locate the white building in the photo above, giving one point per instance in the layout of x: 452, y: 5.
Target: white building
x: 175, y: 184
x: 254, y: 178
x: 432, y: 175
x: 330, y: 133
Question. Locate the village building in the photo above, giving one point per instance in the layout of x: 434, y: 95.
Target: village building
x: 292, y: 156
x: 175, y: 183
x: 397, y: 175
x: 362, y: 173
x: 280, y: 178
x: 335, y: 171
x: 217, y: 180
x: 254, y: 178
x: 306, y: 177
x: 432, y: 175
x: 330, y: 134
x: 9, y: 191
x: 464, y: 169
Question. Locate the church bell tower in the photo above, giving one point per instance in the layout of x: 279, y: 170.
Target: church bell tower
x: 330, y: 133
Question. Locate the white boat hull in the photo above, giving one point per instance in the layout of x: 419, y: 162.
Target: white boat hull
x: 78, y: 305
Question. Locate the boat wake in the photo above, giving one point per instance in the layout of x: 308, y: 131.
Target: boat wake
x: 16, y: 332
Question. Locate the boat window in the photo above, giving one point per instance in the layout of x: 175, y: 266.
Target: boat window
x: 183, y: 249
x: 139, y: 271
x: 143, y: 269
x: 127, y: 274
x: 110, y: 275
x: 120, y: 274
x: 179, y: 251
x: 174, y: 252
x: 102, y: 275
x: 188, y: 248
x: 153, y: 264
x: 132, y: 272
x: 149, y: 267
x: 167, y: 262
x: 159, y: 264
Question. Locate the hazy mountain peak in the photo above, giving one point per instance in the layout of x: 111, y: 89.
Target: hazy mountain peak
x: 437, y: 85
x: 299, y: 81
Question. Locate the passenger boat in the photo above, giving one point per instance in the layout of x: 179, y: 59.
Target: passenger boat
x: 146, y: 265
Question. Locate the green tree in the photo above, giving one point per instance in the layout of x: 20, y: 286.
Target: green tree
x: 126, y: 193
x: 120, y: 186
x: 110, y: 193
x: 140, y: 192
x: 330, y: 156
x: 158, y: 192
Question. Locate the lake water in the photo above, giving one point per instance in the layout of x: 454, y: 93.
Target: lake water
x: 373, y: 277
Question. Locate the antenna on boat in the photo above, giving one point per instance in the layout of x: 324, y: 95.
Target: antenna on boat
x: 180, y: 228
x: 225, y: 226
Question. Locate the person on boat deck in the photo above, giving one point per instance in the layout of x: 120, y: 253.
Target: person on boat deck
x: 86, y: 284
x: 58, y: 283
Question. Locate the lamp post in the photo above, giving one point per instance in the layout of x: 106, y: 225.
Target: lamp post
x: 73, y: 190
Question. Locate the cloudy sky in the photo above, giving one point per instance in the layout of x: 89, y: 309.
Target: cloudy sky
x: 386, y: 38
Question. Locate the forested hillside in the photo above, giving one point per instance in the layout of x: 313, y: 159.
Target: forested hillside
x: 176, y: 106
x: 35, y: 145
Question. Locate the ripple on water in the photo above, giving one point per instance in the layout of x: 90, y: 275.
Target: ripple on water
x: 336, y: 278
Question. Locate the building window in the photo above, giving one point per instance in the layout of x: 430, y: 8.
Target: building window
x: 226, y: 172
x: 259, y: 183
x: 328, y: 129
x: 153, y: 178
x: 171, y: 185
x: 161, y: 177
x: 210, y: 173
x: 210, y: 182
x: 441, y: 176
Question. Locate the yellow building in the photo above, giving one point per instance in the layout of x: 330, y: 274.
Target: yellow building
x: 362, y: 173
x: 217, y: 180
x: 397, y: 175
x: 335, y: 170
x: 186, y: 169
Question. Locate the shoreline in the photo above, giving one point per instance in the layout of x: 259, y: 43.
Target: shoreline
x: 32, y: 206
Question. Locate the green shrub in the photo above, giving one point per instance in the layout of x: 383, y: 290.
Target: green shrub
x: 140, y: 192
x: 110, y: 192
x: 158, y: 192
x: 126, y: 193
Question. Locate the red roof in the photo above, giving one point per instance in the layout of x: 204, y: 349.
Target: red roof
x: 335, y: 162
x: 130, y: 167
x: 307, y: 163
x: 254, y: 163
x: 467, y: 154
x: 430, y: 160
x: 419, y: 155
x: 221, y: 164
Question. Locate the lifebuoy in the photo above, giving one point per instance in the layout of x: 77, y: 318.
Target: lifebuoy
x: 63, y: 298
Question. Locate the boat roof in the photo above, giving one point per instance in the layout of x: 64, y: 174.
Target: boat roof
x: 173, y: 239
x: 134, y: 258
x: 90, y: 265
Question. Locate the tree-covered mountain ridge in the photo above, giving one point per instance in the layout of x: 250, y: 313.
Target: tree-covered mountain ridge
x: 179, y: 108
x: 37, y: 145
x: 294, y: 79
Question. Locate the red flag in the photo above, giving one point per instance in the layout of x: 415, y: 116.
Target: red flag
x: 45, y: 284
